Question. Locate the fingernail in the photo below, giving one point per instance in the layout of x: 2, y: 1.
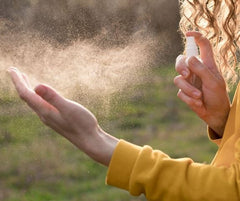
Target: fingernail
x: 187, y: 61
x: 11, y: 69
x: 184, y: 73
x: 191, y: 60
x: 197, y: 94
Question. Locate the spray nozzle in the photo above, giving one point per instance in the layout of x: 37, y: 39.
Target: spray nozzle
x: 192, y: 50
x: 191, y: 47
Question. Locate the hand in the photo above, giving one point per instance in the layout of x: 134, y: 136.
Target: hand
x: 66, y: 117
x: 211, y: 103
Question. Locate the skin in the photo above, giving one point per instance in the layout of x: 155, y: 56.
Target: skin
x: 68, y: 118
x: 211, y: 103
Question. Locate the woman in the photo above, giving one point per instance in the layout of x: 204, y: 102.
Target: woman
x: 140, y: 169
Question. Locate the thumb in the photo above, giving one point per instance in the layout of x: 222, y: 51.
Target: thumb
x: 51, y: 96
x: 206, y: 51
x: 199, y: 69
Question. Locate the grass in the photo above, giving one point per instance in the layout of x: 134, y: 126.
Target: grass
x: 39, y: 165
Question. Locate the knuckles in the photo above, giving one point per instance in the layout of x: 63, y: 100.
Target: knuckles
x: 217, y: 83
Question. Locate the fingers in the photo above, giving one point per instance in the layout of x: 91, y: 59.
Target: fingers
x: 40, y: 106
x: 43, y: 100
x: 51, y: 96
x: 194, y: 104
x: 185, y: 86
x: 20, y: 82
x: 181, y: 66
x: 26, y: 80
x: 207, y: 77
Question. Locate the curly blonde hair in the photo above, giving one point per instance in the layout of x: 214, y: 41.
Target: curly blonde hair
x: 219, y: 21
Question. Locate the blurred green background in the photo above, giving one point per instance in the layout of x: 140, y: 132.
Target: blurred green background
x: 39, y: 165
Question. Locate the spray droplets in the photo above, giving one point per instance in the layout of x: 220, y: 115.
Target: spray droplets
x: 82, y: 47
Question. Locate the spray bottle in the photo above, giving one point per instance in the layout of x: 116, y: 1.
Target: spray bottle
x: 192, y: 50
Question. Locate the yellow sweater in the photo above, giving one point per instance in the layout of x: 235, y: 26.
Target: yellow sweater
x: 161, y: 178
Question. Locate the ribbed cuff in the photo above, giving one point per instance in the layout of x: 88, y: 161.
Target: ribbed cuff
x: 121, y: 164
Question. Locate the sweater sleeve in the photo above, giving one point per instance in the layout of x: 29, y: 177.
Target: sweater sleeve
x: 153, y: 173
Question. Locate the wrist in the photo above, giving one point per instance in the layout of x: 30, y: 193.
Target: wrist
x: 218, y: 131
x: 219, y: 126
x: 99, y: 146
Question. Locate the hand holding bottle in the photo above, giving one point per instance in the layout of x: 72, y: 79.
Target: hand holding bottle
x: 211, y: 102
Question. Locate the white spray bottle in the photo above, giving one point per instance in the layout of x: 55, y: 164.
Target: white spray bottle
x: 192, y: 50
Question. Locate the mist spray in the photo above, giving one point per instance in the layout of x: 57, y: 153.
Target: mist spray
x: 192, y: 50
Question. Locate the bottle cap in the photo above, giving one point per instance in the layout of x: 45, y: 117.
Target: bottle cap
x: 191, y: 47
